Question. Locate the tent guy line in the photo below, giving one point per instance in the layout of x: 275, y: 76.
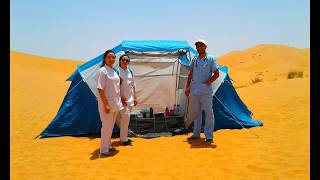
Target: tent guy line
x: 235, y: 119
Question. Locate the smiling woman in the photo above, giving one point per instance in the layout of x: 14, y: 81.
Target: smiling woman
x: 109, y: 103
x: 128, y: 97
x: 124, y: 61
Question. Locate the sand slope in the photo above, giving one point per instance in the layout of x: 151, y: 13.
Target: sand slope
x: 281, y: 151
x: 266, y: 62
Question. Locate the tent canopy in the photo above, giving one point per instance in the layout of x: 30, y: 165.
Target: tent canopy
x: 141, y: 46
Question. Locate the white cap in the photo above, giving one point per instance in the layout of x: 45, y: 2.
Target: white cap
x: 202, y: 41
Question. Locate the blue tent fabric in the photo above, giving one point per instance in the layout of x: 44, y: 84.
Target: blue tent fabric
x: 155, y: 45
x: 78, y: 113
x: 232, y: 107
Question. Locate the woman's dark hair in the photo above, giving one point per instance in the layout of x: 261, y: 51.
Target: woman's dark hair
x: 104, y: 57
x: 122, y: 56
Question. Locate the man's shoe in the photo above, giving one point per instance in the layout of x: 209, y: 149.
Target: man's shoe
x: 209, y: 141
x: 126, y: 143
x: 104, y: 154
x: 192, y: 138
x: 111, y: 149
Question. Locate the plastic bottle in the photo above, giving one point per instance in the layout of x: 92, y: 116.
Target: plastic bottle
x: 174, y: 109
x: 144, y: 113
x: 167, y: 112
x: 178, y: 110
x: 171, y: 112
x: 151, y: 112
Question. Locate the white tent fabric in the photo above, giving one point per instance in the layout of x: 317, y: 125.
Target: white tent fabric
x: 159, y: 77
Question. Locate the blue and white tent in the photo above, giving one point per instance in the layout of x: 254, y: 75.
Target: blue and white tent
x: 160, y: 74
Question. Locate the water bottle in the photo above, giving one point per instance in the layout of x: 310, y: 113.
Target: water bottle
x: 144, y: 113
x: 171, y: 112
x: 178, y: 110
x: 151, y: 112
x: 174, y: 109
x: 167, y: 112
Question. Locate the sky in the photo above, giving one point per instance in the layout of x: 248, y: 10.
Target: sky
x: 83, y: 29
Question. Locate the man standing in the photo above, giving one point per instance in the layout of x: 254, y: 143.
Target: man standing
x: 204, y: 70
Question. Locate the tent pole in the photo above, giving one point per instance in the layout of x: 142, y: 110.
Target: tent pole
x: 177, y: 79
x: 187, y: 102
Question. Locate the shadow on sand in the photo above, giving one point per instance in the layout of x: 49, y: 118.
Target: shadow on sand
x: 96, y: 154
x: 200, y: 143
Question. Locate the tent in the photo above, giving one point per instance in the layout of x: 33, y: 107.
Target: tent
x: 160, y: 74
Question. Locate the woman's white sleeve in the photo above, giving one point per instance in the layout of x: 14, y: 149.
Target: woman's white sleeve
x: 101, y: 80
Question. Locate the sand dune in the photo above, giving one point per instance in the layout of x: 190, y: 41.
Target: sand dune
x: 265, y: 62
x: 281, y: 151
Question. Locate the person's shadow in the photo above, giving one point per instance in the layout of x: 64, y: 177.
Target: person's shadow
x: 96, y: 154
x: 200, y: 143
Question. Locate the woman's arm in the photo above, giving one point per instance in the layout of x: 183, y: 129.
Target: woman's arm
x: 103, y: 98
x: 135, y: 96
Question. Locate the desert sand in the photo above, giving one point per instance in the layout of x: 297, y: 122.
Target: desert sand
x: 281, y: 150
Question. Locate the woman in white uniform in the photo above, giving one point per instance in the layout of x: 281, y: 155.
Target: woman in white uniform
x: 109, y: 101
x: 128, y: 97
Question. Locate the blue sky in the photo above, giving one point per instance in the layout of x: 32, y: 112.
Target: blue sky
x: 83, y: 29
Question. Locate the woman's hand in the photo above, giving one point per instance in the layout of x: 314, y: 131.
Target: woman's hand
x: 187, y: 91
x: 124, y: 101
x: 135, y: 101
x: 106, y: 109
